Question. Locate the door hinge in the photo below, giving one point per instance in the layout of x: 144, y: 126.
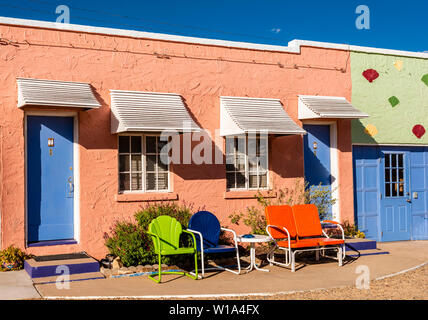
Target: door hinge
x: 381, y: 196
x: 381, y: 234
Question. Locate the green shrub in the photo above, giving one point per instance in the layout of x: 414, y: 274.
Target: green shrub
x: 130, y: 243
x: 351, y: 230
x: 12, y: 258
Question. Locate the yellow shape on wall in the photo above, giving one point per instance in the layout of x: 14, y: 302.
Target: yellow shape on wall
x: 371, y: 130
x: 398, y: 65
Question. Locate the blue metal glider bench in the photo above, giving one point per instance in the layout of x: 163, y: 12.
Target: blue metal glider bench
x: 206, y: 228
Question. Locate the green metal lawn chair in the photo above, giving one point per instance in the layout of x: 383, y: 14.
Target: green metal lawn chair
x: 165, y: 232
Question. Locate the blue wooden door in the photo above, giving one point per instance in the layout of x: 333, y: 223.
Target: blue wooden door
x: 395, y: 200
x: 367, y: 177
x: 317, y: 157
x: 50, y: 178
x: 419, y: 192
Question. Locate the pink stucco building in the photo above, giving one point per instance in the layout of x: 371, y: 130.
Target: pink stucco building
x: 119, y: 89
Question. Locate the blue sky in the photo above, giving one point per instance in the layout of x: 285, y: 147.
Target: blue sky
x: 393, y: 24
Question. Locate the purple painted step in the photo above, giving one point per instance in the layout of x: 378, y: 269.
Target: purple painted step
x: 48, y: 267
x: 360, y: 244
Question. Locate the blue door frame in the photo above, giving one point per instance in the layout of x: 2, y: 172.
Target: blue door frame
x: 50, y: 178
x: 317, y: 159
x: 384, y: 215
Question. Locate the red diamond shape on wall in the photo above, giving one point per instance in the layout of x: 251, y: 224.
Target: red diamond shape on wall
x: 371, y: 74
x: 418, y: 131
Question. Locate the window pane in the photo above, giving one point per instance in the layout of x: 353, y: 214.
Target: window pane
x: 252, y: 147
x: 387, y: 190
x: 135, y: 144
x: 150, y: 163
x: 150, y: 144
x: 124, y: 181
x: 393, y: 160
x: 230, y: 163
x: 400, y: 160
x: 163, y: 181
x: 136, y: 181
x: 240, y: 145
x: 150, y: 181
x: 401, y: 175
x: 263, y: 181
x: 394, y: 175
x: 230, y: 180
x: 394, y: 190
x: 230, y: 145
x: 123, y: 144
x: 162, y: 166
x: 387, y: 175
x: 240, y: 163
x: 240, y: 179
x: 161, y: 145
x: 252, y: 183
x: 387, y: 161
x: 252, y: 164
x: 136, y: 163
x: 401, y: 190
x: 123, y: 163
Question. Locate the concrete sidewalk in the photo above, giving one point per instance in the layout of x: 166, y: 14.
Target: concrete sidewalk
x: 325, y: 274
x: 16, y: 285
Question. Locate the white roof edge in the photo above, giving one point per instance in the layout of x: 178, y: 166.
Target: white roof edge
x: 293, y: 46
x: 143, y: 35
x: 401, y: 53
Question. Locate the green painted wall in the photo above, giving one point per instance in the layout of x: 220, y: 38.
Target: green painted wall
x: 400, y: 81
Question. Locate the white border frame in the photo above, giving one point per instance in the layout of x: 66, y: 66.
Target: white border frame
x: 76, y: 166
x: 334, y: 163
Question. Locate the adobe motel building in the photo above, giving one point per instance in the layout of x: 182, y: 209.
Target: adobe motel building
x: 82, y: 109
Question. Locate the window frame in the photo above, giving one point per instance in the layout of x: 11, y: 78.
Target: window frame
x: 247, y: 165
x: 390, y: 183
x: 143, y: 165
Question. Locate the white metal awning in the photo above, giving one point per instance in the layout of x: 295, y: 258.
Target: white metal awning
x: 240, y: 115
x: 37, y: 92
x: 318, y: 107
x: 149, y: 111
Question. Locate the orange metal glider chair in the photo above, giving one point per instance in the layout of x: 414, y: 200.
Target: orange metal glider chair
x: 297, y: 229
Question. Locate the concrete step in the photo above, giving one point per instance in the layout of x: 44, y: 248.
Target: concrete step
x: 54, y: 265
x: 73, y: 277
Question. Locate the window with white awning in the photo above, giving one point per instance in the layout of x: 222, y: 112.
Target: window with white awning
x: 319, y: 107
x: 54, y: 93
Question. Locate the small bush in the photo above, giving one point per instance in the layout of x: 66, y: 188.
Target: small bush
x: 12, y: 258
x: 129, y: 242
x: 351, y: 230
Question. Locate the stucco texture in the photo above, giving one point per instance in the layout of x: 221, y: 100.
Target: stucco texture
x: 397, y: 100
x: 201, y: 74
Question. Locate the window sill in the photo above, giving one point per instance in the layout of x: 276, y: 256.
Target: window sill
x: 248, y: 194
x: 146, y: 197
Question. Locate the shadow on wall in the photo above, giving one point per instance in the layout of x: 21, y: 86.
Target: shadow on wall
x: 359, y: 133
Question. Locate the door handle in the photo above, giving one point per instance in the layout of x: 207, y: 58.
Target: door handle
x: 71, y: 185
x: 409, y: 201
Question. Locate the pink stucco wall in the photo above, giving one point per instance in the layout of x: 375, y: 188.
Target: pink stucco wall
x: 205, y: 74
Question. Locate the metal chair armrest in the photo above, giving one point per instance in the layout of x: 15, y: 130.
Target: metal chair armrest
x: 235, y: 239
x: 337, y: 225
x: 279, y: 228
x: 200, y: 237
x: 193, y: 237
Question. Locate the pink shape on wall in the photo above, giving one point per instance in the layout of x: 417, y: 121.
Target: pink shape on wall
x: 418, y: 131
x: 371, y: 74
